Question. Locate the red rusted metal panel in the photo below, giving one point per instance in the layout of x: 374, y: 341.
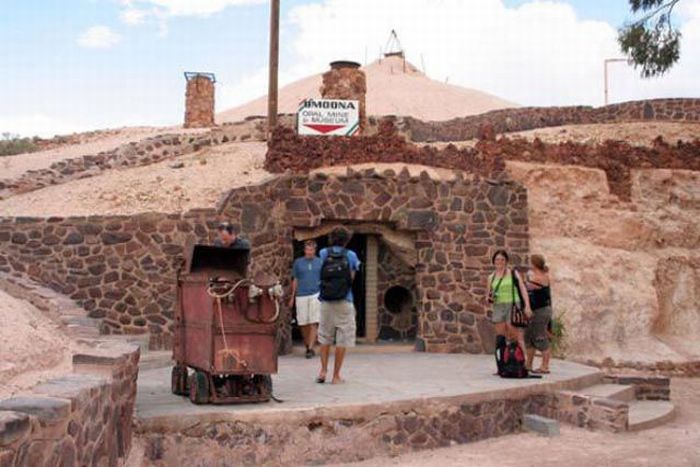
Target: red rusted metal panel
x: 232, y: 343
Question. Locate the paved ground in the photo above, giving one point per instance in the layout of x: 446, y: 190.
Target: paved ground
x: 676, y: 444
x: 371, y: 379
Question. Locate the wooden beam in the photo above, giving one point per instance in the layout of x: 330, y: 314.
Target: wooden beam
x: 274, y: 65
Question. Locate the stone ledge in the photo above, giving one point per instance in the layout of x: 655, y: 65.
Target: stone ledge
x: 77, y: 419
x: 48, y: 410
x: 104, y: 353
x: 78, y: 388
x: 646, y: 387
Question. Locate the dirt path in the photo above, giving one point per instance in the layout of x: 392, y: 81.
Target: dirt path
x: 673, y: 444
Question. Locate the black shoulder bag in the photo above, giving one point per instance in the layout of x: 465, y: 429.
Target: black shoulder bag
x: 517, y: 314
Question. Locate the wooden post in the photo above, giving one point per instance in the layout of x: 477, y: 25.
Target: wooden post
x: 371, y: 279
x: 274, y: 65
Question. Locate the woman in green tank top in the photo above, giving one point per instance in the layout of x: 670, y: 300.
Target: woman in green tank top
x: 501, y: 295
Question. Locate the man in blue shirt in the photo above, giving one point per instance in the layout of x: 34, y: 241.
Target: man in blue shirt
x: 306, y: 278
x: 337, y: 324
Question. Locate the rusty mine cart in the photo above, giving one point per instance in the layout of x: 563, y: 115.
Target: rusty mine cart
x: 225, y: 328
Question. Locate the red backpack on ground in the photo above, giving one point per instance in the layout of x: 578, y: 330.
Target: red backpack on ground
x: 511, y: 362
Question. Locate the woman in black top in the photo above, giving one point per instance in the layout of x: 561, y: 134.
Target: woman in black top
x: 536, y: 336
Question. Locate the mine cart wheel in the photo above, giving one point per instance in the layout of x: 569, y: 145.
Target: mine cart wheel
x: 264, y: 383
x: 199, y: 387
x: 179, y: 380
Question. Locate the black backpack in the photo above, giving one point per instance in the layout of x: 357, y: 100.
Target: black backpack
x: 336, y: 280
x: 511, y: 362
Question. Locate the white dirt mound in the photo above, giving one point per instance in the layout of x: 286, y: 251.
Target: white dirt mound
x: 394, y: 87
x: 13, y: 166
x: 198, y: 183
x: 32, y: 347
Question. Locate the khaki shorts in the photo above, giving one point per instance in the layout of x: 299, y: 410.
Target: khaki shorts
x: 500, y: 313
x: 308, y: 309
x: 337, y: 324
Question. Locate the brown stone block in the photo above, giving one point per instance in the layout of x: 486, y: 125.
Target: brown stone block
x: 14, y: 426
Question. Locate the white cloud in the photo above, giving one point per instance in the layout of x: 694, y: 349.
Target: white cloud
x: 191, y: 7
x: 99, y: 37
x: 137, y: 12
x: 133, y: 16
x: 540, y: 53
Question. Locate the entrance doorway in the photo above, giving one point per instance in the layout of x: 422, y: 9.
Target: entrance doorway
x: 358, y: 244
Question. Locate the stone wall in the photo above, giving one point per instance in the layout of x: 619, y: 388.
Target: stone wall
x: 593, y: 413
x: 334, y: 436
x: 300, y: 154
x: 84, y: 418
x: 121, y: 269
x: 401, y: 322
x: 346, y: 81
x: 199, y: 102
x: 647, y: 388
x: 457, y: 225
x: 665, y: 368
x: 322, y: 437
x: 528, y: 118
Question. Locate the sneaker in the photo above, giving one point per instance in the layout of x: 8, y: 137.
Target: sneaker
x: 310, y: 353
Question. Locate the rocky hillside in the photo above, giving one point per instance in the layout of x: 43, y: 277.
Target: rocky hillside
x: 626, y: 274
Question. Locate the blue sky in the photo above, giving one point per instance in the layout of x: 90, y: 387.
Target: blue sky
x: 82, y: 64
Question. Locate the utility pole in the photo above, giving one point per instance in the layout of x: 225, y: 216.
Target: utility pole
x: 273, y: 65
x: 605, y: 76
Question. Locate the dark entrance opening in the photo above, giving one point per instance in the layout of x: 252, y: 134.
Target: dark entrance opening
x: 358, y: 244
x: 398, y: 299
x: 399, y: 324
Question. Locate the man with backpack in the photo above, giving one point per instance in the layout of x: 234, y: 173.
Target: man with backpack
x: 337, y: 320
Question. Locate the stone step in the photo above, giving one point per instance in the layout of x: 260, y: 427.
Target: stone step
x: 620, y: 392
x: 139, y: 339
x: 80, y: 321
x: 77, y: 330
x: 155, y: 359
x: 649, y: 414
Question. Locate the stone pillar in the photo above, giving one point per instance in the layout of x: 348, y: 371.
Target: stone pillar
x: 346, y: 81
x: 199, y: 100
x: 371, y: 289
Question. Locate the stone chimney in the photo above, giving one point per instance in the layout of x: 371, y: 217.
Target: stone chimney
x: 199, y: 100
x: 346, y: 81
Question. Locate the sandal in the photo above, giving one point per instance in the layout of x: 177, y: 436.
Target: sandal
x: 540, y: 371
x: 320, y: 380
